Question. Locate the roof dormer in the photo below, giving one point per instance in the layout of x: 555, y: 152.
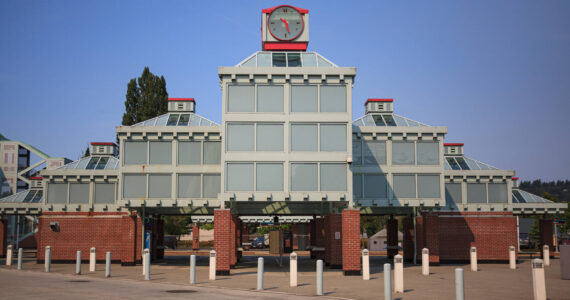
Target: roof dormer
x: 99, y: 148
x: 181, y: 105
x: 378, y: 106
x: 453, y: 149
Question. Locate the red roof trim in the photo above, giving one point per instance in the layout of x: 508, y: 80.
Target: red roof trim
x: 515, y: 178
x: 181, y: 99
x: 453, y: 144
x: 36, y: 178
x: 378, y: 100
x: 271, y: 9
x: 102, y: 144
x: 285, y: 46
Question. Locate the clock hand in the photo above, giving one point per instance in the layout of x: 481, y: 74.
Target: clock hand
x: 286, y: 24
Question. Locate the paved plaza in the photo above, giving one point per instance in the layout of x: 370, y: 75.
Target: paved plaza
x: 492, y: 281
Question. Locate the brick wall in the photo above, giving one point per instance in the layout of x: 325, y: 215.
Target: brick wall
x: 408, y: 242
x: 295, y: 233
x: 115, y: 232
x: 333, y: 246
x: 432, y: 237
x: 351, y: 241
x: 546, y: 235
x: 222, y: 240
x: 3, y: 241
x: 196, y: 237
x: 392, y: 239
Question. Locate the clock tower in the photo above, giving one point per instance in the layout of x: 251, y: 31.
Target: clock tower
x: 284, y: 28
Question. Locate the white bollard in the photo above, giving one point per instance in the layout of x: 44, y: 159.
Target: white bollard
x: 387, y: 282
x: 474, y: 259
x: 538, y: 281
x: 293, y: 269
x: 459, y: 284
x: 260, y: 274
x: 425, y: 261
x: 398, y: 274
x: 212, y: 265
x: 9, y: 256
x: 108, y: 265
x: 512, y: 258
x: 144, y: 262
x: 147, y: 266
x: 365, y: 264
x: 78, y: 263
x: 192, y: 269
x: 47, y: 261
x: 546, y: 255
x: 92, y: 258
x: 320, y: 277
x: 20, y: 256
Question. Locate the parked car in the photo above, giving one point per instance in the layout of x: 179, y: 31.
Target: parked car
x: 258, y: 242
x: 524, y: 241
x: 170, y: 241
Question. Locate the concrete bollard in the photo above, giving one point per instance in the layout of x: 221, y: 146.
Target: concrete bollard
x: 260, y: 274
x: 320, y: 277
x: 108, y: 264
x: 20, y: 255
x: 398, y: 274
x: 473, y: 259
x: 512, y: 258
x: 387, y: 282
x: 425, y: 261
x: 538, y: 280
x: 459, y: 288
x: 546, y: 255
x: 144, y: 261
x: 9, y: 255
x: 47, y: 261
x: 147, y: 265
x: 192, y: 269
x: 365, y: 264
x: 92, y: 258
x: 78, y: 263
x: 212, y: 265
x: 293, y: 269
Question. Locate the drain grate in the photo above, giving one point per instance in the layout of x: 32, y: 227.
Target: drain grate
x: 181, y: 291
x: 79, y: 280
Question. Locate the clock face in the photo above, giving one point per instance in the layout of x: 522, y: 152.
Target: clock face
x: 285, y: 23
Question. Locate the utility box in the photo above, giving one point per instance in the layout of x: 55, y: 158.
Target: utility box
x: 565, y: 261
x: 274, y: 241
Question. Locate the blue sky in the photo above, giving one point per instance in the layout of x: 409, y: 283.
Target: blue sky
x: 496, y: 73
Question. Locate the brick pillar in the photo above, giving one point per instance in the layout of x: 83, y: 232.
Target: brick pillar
x: 132, y: 241
x: 333, y: 240
x: 420, y: 237
x: 222, y: 240
x: 233, y: 240
x: 546, y: 235
x: 295, y: 234
x: 351, y: 242
x: 327, y: 225
x: 244, y: 233
x: 392, y: 240
x: 196, y: 237
x: 3, y: 243
x: 408, y: 243
x: 431, y: 229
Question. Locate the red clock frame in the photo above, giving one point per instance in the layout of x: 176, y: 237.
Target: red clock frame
x: 269, y: 11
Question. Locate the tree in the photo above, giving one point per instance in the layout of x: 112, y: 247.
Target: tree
x: 146, y: 98
x: 86, y: 154
x: 176, y: 225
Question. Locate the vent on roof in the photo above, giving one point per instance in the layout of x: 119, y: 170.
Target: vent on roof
x: 379, y: 106
x: 453, y: 148
x: 181, y: 105
x: 98, y: 148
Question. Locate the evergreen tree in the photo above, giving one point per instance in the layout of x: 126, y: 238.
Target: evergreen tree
x: 86, y: 152
x: 146, y: 98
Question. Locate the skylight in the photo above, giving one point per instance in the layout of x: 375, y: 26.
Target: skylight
x: 286, y: 59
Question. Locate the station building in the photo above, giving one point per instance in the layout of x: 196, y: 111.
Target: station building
x: 287, y: 148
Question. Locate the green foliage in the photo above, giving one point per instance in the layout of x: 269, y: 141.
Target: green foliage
x: 146, y: 98
x: 556, y: 191
x: 86, y: 152
x: 207, y: 226
x: 372, y: 224
x: 176, y: 225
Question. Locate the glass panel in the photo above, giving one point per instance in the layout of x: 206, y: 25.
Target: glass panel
x: 476, y: 193
x: 498, y: 193
x: 269, y: 177
x: 162, y: 120
x: 462, y: 163
x: 241, y: 98
x: 293, y: 59
x: 239, y: 177
x: 279, y: 60
x: 240, y: 137
x: 159, y: 185
x: 333, y: 98
x: 29, y: 196
x: 303, y: 177
x: 333, y: 177
x: 104, y: 193
x: 378, y: 120
x: 428, y: 153
x: 453, y: 193
x: 134, y: 186
x: 270, y: 98
x: 211, y: 185
x: 389, y: 120
x: 92, y: 163
x: 264, y: 59
x: 323, y: 63
x: 453, y: 164
x: 333, y: 137
x: 405, y: 186
x: 189, y: 153
x: 357, y: 185
x: 304, y: 98
x: 357, y: 152
x: 102, y: 163
x: 250, y: 62
x: 160, y: 153
x: 375, y: 186
x: 303, y: 137
x: 428, y: 186
x: 374, y: 152
x: 309, y: 59
x: 403, y: 153
x: 79, y: 193
x: 172, y: 120
x: 184, y: 120
x: 195, y: 120
x: 400, y: 121
x: 212, y: 153
x: 38, y: 196
x: 135, y: 153
x: 472, y: 165
x: 269, y: 137
x: 189, y: 185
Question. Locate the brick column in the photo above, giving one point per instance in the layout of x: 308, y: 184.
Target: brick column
x: 295, y: 234
x: 327, y: 240
x: 196, y: 237
x: 233, y: 240
x: 546, y: 235
x: 222, y: 240
x: 431, y: 229
x: 408, y: 243
x: 392, y: 237
x: 420, y: 237
x: 333, y: 240
x: 351, y: 242
x: 3, y: 243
